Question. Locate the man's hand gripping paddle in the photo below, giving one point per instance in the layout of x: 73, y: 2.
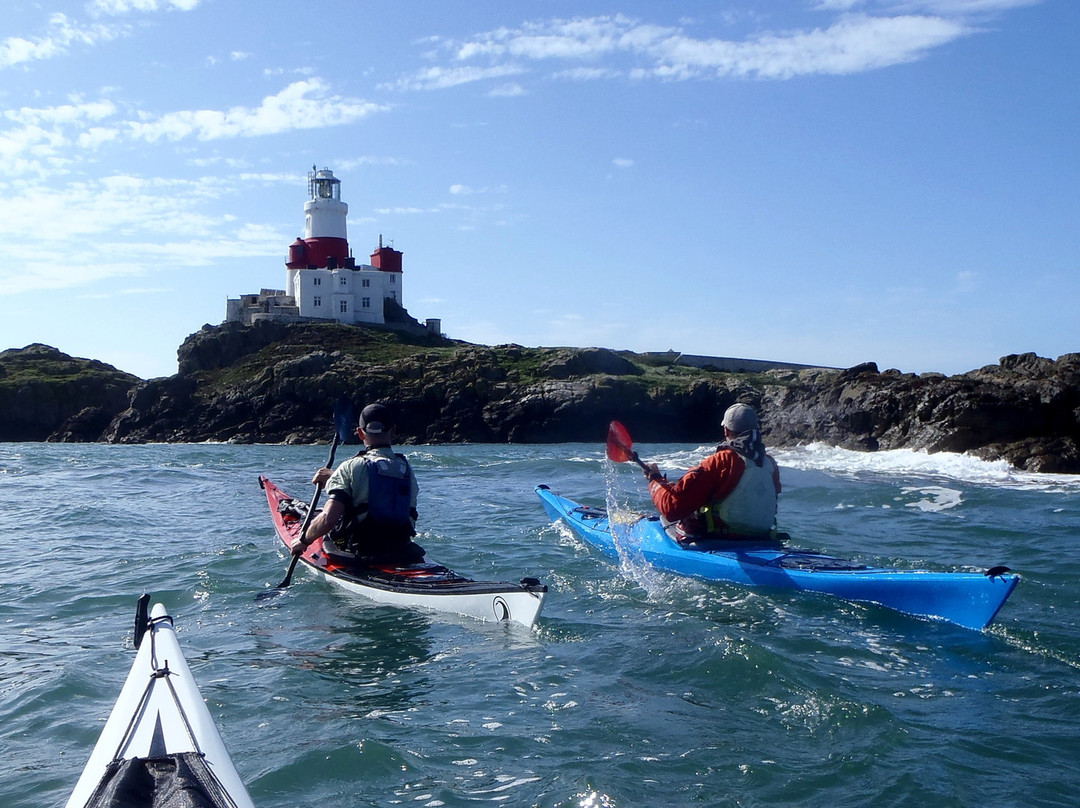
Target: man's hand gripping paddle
x: 344, y: 420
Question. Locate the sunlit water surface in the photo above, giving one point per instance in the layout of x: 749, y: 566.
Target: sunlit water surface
x: 636, y: 688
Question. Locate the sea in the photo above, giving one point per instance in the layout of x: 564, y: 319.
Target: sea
x: 635, y: 688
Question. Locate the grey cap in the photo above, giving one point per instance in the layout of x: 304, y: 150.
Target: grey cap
x: 375, y: 419
x: 740, y: 418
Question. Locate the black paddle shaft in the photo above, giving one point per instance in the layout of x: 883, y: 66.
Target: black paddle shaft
x: 343, y: 416
x: 310, y: 515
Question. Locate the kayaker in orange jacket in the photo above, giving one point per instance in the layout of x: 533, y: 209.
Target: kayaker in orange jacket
x: 731, y: 493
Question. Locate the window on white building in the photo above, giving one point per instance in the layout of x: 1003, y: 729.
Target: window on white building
x: 366, y: 282
x: 316, y: 281
x: 343, y: 307
x: 365, y: 302
x: 344, y: 280
x: 316, y: 302
x: 393, y: 279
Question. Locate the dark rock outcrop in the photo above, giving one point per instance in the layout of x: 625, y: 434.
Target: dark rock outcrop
x: 216, y: 347
x: 273, y: 382
x: 1025, y: 410
x: 48, y: 395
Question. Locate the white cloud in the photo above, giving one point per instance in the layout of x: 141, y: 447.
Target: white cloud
x: 61, y: 34
x: 440, y: 78
x: 838, y: 5
x: 301, y: 105
x: 609, y: 46
x: 623, y: 162
x: 371, y: 160
x: 120, y: 226
x: 965, y: 6
x: 62, y: 31
x: 853, y: 45
x: 65, y: 114
x: 118, y: 7
x: 40, y: 140
x: 95, y: 136
x: 466, y: 190
x: 282, y: 178
x: 125, y: 292
x: 588, y: 73
x: 510, y: 90
x: 581, y: 38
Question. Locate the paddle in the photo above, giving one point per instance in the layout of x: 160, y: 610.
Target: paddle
x: 343, y: 422
x: 620, y: 447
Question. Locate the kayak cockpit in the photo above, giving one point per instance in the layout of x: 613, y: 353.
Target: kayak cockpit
x: 182, y: 780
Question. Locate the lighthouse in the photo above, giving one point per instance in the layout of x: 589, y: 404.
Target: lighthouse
x: 323, y: 280
x: 321, y: 274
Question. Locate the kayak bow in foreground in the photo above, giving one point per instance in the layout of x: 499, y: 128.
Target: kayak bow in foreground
x: 968, y: 599
x: 425, y: 585
x: 160, y: 746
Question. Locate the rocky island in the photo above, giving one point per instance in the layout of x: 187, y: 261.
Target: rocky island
x: 277, y: 383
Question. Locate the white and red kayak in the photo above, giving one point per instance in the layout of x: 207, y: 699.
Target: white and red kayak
x: 160, y: 746
x: 424, y: 585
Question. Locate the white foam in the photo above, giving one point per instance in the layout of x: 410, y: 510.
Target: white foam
x: 950, y: 465
x: 937, y: 498
x: 962, y: 468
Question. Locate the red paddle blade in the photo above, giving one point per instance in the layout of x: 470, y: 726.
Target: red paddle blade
x: 620, y: 447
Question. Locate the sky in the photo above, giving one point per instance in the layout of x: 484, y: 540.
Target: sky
x: 825, y: 182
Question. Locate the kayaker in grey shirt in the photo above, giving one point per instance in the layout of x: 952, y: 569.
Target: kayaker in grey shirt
x: 371, y: 498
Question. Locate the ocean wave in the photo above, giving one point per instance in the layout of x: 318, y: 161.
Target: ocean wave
x: 850, y: 464
x: 949, y: 465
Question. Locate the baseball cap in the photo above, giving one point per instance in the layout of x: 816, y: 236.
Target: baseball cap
x: 740, y: 418
x: 375, y: 419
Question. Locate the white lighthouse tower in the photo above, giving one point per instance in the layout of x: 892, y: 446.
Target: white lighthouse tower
x: 325, y: 243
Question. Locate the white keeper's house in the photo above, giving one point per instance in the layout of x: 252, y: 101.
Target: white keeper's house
x: 323, y: 280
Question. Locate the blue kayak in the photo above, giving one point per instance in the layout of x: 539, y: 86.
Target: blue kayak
x: 969, y: 599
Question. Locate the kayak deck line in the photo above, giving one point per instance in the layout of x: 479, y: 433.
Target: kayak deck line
x: 397, y: 578
x: 425, y: 584
x: 160, y: 737
x: 158, y: 672
x: 968, y: 599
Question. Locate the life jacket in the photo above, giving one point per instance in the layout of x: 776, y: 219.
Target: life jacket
x: 383, y: 525
x: 750, y: 509
x: 389, y: 493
